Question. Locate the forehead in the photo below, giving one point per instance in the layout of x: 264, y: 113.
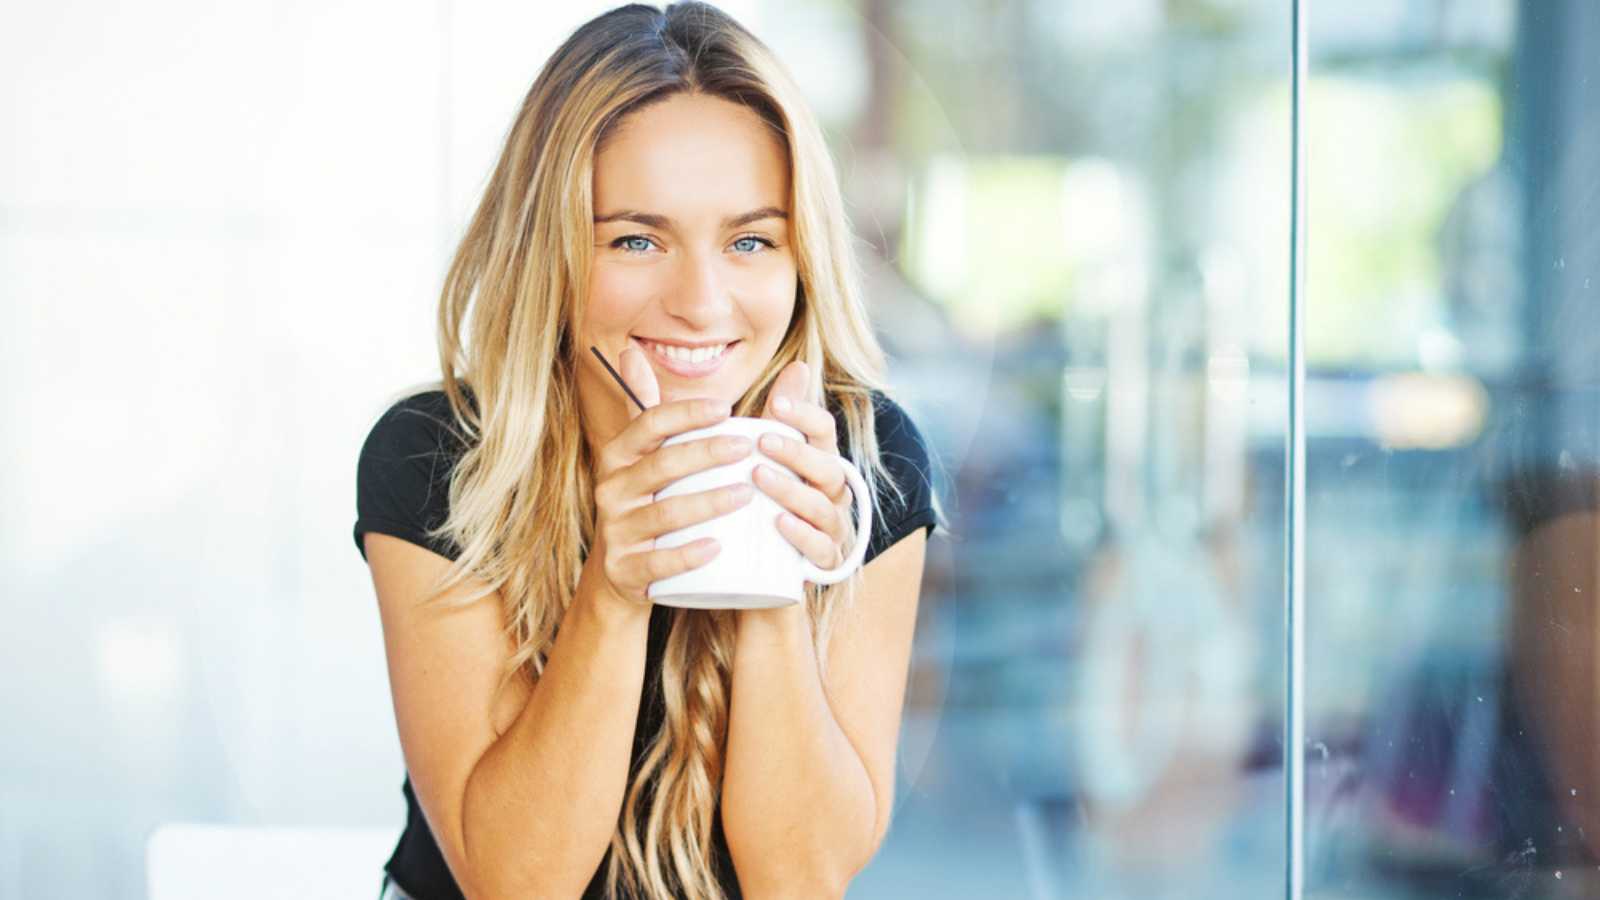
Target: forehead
x: 692, y: 157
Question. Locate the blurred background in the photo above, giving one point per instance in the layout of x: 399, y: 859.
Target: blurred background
x: 222, y: 233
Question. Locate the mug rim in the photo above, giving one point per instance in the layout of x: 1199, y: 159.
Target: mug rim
x: 747, y: 426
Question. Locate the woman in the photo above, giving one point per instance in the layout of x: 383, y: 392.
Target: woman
x: 663, y: 184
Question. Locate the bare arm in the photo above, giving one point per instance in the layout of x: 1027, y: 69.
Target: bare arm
x: 481, y: 774
x: 808, y: 790
x: 523, y: 798
x: 797, y: 802
x: 810, y: 776
x: 543, y: 801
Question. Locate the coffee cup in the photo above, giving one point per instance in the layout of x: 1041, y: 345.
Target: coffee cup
x: 756, y: 567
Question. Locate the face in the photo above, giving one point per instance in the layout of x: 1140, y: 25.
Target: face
x: 691, y: 250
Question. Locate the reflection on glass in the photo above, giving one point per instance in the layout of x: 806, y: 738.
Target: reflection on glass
x: 1453, y: 413
x: 1077, y: 216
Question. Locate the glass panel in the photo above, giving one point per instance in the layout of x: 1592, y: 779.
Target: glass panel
x: 1078, y: 215
x: 1452, y: 407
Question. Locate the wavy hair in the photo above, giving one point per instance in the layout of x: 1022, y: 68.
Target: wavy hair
x: 521, y: 496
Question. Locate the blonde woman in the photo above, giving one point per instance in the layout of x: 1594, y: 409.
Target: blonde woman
x: 663, y: 185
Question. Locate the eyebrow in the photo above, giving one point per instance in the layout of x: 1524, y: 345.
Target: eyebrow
x: 655, y: 220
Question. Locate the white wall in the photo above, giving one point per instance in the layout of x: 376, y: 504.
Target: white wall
x: 222, y: 231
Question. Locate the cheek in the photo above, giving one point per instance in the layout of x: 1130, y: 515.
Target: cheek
x: 616, y: 295
x: 776, y: 287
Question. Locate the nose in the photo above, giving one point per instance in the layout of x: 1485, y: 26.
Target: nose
x: 698, y: 296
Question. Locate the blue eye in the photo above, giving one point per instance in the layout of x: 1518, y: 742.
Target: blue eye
x: 621, y: 241
x: 762, y: 241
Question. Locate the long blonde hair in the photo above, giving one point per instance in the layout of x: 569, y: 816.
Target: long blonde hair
x: 521, y: 498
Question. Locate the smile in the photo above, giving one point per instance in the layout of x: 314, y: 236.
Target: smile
x: 685, y: 362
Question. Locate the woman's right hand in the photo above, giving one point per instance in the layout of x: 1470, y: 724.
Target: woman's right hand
x: 633, y: 466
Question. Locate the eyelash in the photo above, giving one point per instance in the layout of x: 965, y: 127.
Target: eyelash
x: 619, y: 242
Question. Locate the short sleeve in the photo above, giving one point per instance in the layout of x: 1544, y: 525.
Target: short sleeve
x: 904, y: 453
x: 403, y: 473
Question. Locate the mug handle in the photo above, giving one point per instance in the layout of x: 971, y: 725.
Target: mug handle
x: 858, y: 491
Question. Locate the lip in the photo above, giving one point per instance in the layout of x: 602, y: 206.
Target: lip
x: 692, y: 345
x: 685, y: 369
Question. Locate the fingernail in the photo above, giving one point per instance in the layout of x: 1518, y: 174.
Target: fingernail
x: 781, y: 404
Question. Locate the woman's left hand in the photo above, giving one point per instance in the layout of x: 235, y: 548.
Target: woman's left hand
x: 819, y: 518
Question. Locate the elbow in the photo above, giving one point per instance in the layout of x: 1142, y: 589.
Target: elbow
x: 822, y: 874
x: 837, y: 882
x: 795, y: 887
x: 477, y: 881
x: 834, y: 883
x: 485, y: 872
x: 822, y: 878
x: 488, y: 877
x: 516, y: 871
x: 812, y: 864
x: 502, y: 865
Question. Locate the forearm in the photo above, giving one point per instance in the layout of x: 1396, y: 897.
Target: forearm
x: 542, y: 803
x: 797, y: 804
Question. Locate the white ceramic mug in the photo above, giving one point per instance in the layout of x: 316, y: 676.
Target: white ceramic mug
x: 756, y: 567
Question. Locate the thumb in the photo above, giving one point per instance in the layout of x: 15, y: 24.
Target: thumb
x: 790, y: 383
x: 640, y: 378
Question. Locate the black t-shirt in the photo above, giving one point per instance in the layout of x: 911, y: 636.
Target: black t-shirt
x: 402, y: 489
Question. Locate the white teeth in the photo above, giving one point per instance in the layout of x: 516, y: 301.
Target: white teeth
x: 683, y: 354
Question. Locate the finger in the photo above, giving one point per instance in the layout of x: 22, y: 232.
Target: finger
x: 819, y: 547
x: 640, y: 378
x: 819, y: 467
x: 646, y: 432
x: 791, y: 384
x: 655, y: 565
x: 668, y: 464
x: 650, y: 521
x: 813, y: 421
x: 801, y: 500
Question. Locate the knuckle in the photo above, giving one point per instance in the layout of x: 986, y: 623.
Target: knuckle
x: 613, y: 499
x: 609, y: 460
x: 661, y: 466
x: 658, y: 516
x: 678, y: 460
x: 662, y: 563
x: 710, y: 503
x: 692, y: 412
x: 687, y: 560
